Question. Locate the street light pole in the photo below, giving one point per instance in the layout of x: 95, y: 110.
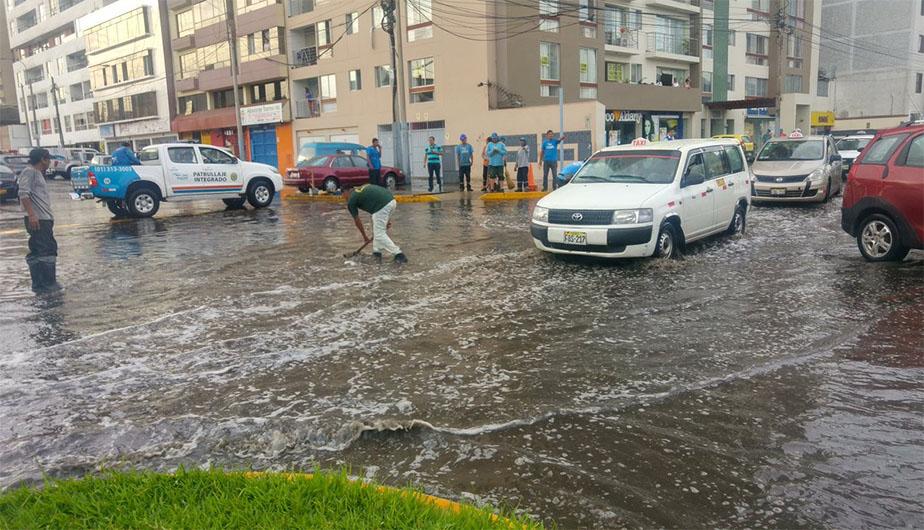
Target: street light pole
x: 38, y: 130
x: 232, y: 43
x: 399, y: 119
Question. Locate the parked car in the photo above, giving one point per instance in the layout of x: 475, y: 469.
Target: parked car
x: 9, y: 189
x: 747, y: 143
x: 884, y: 196
x: 15, y: 162
x: 309, y: 151
x: 63, y: 161
x: 331, y: 172
x: 646, y: 199
x: 797, y: 169
x: 177, y: 172
x: 849, y: 148
x: 56, y: 167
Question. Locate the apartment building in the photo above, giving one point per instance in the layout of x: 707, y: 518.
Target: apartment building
x: 13, y: 135
x: 131, y: 76
x: 625, y: 69
x: 199, y: 44
x: 747, y: 64
x: 872, y: 58
x: 46, y: 52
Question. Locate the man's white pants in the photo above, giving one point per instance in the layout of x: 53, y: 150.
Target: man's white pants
x: 380, y: 239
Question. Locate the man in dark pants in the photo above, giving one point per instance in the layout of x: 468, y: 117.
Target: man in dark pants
x: 374, y: 154
x: 433, y: 157
x: 549, y: 156
x: 36, y: 207
x: 464, y: 155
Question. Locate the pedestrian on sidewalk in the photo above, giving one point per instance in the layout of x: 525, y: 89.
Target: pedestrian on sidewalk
x: 523, y: 166
x: 549, y: 156
x: 379, y: 202
x: 497, y: 157
x: 124, y: 156
x: 36, y: 208
x: 433, y: 158
x: 374, y: 154
x: 484, y: 165
x: 464, y: 156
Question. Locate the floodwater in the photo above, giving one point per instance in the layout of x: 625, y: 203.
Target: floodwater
x: 774, y: 380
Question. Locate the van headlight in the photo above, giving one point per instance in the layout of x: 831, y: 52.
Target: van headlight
x: 633, y: 217
x: 541, y: 214
x: 817, y: 175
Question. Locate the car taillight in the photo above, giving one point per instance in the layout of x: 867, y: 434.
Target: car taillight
x: 92, y: 179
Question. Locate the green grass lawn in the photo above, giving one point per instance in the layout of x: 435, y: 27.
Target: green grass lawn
x: 218, y: 499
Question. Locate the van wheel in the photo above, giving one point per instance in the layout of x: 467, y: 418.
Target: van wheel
x: 67, y: 174
x: 260, y: 193
x: 879, y: 240
x: 331, y: 185
x: 668, y: 239
x: 117, y: 208
x: 234, y: 204
x: 391, y: 181
x: 143, y: 202
x: 738, y: 222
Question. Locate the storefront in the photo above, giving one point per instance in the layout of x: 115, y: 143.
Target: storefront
x: 623, y: 126
x: 757, y: 121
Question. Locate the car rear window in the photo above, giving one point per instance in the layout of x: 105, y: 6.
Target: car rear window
x: 644, y: 166
x: 880, y: 151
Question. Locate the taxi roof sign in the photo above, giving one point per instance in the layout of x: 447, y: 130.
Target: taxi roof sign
x: 796, y: 134
x: 639, y: 141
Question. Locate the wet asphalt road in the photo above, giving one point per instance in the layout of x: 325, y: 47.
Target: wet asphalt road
x: 774, y: 380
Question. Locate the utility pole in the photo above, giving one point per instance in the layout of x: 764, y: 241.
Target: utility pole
x: 561, y: 125
x: 782, y: 29
x: 38, y: 131
x: 232, y: 43
x: 398, y: 111
x: 22, y: 89
x: 54, y: 96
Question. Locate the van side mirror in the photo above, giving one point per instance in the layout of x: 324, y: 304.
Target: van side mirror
x: 836, y: 158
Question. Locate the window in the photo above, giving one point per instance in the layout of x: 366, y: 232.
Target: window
x: 672, y: 35
x: 328, y: 84
x: 149, y: 155
x: 259, y: 45
x: 422, y: 80
x: 377, y: 15
x: 716, y: 163
x: 67, y: 124
x: 731, y: 37
x: 271, y: 91
x: 186, y: 105
x: 352, y: 23
x: 914, y: 155
x: 185, y: 24
x: 38, y: 101
x: 182, y: 155
x: 918, y: 83
x: 419, y: 20
x: 119, y: 30
x: 223, y: 99
x: 695, y: 167
x: 210, y: 155
x: 80, y: 122
x: 707, y: 82
x: 881, y: 151
x: 359, y: 161
x: 757, y: 49
x: 755, y: 87
x: 246, y: 6
x: 80, y: 91
x: 585, y: 11
x: 636, y: 73
x: 588, y: 72
x: 188, y: 65
x: 342, y: 161
x: 671, y: 76
x: 549, y: 69
x: 383, y: 76
x: 707, y: 41
x: 792, y: 83
x: 617, y: 72
x: 46, y: 126
x: 34, y: 74
x: 548, y: 15
x: 760, y: 5
x: 731, y: 82
x: 126, y: 108
x: 76, y: 61
x: 356, y: 80
x: 123, y: 70
x: 735, y: 162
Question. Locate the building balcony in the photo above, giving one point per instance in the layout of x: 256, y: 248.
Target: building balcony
x: 190, y: 84
x: 305, y: 57
x: 176, y: 5
x: 181, y: 44
x: 674, y: 48
x: 271, y: 16
x: 680, y: 6
x: 251, y: 72
x: 621, y: 41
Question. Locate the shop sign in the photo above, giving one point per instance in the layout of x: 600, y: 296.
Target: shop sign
x: 260, y: 114
x: 621, y: 115
x: 823, y: 119
x: 759, y: 112
x: 107, y: 131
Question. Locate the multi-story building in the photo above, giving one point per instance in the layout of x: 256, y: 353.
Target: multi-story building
x: 131, y: 76
x: 46, y: 53
x: 12, y: 133
x: 199, y: 33
x: 747, y: 64
x: 626, y: 69
x: 872, y: 56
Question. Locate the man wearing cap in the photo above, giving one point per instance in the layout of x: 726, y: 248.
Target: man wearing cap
x: 464, y: 155
x: 379, y: 202
x: 497, y: 154
x: 36, y: 207
x: 523, y: 166
x: 549, y: 156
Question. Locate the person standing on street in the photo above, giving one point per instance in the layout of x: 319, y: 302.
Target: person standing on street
x: 497, y: 157
x: 523, y: 166
x: 374, y: 154
x: 379, y: 202
x: 549, y: 157
x: 124, y: 156
x: 484, y: 165
x: 36, y: 207
x: 464, y: 155
x: 433, y: 158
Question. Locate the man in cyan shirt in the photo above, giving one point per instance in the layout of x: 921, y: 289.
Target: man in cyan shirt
x: 36, y: 208
x: 549, y: 156
x: 374, y: 154
x: 124, y: 156
x: 464, y: 155
x: 379, y: 202
x: 433, y: 157
x: 497, y: 157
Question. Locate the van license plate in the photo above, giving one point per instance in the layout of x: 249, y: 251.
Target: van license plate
x: 778, y: 191
x: 575, y: 238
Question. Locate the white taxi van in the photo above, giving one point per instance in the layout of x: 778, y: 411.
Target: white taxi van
x: 646, y: 199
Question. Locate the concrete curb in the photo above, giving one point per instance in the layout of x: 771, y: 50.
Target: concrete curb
x: 513, y: 195
x: 339, y: 199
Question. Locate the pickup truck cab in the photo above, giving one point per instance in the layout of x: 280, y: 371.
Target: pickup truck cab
x: 646, y: 199
x: 178, y: 172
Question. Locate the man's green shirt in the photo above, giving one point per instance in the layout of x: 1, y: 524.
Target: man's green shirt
x: 369, y: 198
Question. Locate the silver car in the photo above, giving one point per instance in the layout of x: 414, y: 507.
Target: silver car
x: 797, y: 169
x: 849, y: 148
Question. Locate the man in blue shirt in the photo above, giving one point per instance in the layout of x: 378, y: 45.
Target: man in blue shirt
x: 549, y: 156
x: 464, y: 155
x: 433, y: 157
x: 124, y: 156
x: 497, y: 157
x: 374, y: 154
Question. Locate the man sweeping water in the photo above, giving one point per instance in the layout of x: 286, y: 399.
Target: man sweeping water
x: 379, y: 202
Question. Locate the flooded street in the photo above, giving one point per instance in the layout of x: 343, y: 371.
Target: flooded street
x: 775, y: 380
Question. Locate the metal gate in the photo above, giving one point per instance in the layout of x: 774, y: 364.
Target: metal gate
x: 263, y: 145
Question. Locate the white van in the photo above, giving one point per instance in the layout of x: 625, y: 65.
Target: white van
x: 646, y: 199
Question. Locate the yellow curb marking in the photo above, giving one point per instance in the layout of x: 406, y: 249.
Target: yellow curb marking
x: 339, y: 198
x: 513, y: 196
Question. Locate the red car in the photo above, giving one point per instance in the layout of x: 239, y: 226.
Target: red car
x: 331, y: 172
x: 884, y: 195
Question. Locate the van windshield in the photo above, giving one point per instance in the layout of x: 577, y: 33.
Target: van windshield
x: 792, y: 150
x: 646, y: 167
x: 852, y: 144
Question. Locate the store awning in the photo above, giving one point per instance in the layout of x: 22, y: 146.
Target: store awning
x: 752, y: 103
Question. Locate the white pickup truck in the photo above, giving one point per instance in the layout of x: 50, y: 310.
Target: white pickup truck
x: 178, y: 172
